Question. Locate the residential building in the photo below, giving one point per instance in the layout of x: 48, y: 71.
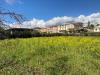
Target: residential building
x: 37, y: 29
x: 97, y: 29
x: 60, y: 28
x: 53, y: 29
x: 65, y: 26
x: 78, y: 25
x: 44, y: 30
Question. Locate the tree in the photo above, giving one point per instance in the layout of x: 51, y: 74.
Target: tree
x: 3, y: 25
x: 91, y: 26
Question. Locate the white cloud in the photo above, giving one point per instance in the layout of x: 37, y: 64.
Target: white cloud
x: 13, y: 2
x: 34, y: 23
x: 93, y: 18
x: 10, y: 1
x: 59, y: 20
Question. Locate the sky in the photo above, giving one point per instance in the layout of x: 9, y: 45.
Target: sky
x: 42, y: 12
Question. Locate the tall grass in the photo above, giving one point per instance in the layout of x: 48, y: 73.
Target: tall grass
x: 50, y: 56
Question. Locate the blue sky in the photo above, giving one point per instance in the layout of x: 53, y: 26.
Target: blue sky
x: 47, y: 9
x: 41, y: 13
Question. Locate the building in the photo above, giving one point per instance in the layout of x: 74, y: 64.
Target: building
x: 78, y: 25
x: 53, y: 29
x: 44, y: 30
x: 20, y: 32
x: 97, y: 29
x: 60, y: 28
x: 65, y: 27
x: 69, y: 26
x: 37, y: 29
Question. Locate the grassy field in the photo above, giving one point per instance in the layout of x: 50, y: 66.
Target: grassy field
x: 50, y: 56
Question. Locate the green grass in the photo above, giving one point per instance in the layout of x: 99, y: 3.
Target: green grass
x: 50, y: 56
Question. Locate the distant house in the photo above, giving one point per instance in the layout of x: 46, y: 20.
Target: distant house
x: 37, y: 29
x: 60, y: 28
x: 69, y: 26
x: 53, y: 29
x: 43, y: 30
x: 97, y: 29
x: 65, y: 26
x: 49, y: 29
x: 78, y: 25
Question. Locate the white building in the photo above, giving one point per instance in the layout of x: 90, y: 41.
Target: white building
x: 66, y: 27
x: 97, y: 29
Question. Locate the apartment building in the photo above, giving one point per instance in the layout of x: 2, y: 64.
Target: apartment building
x: 66, y: 27
x: 53, y: 29
x: 63, y: 27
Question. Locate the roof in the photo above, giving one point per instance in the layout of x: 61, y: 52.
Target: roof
x: 97, y: 27
x: 37, y: 28
x: 20, y: 29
